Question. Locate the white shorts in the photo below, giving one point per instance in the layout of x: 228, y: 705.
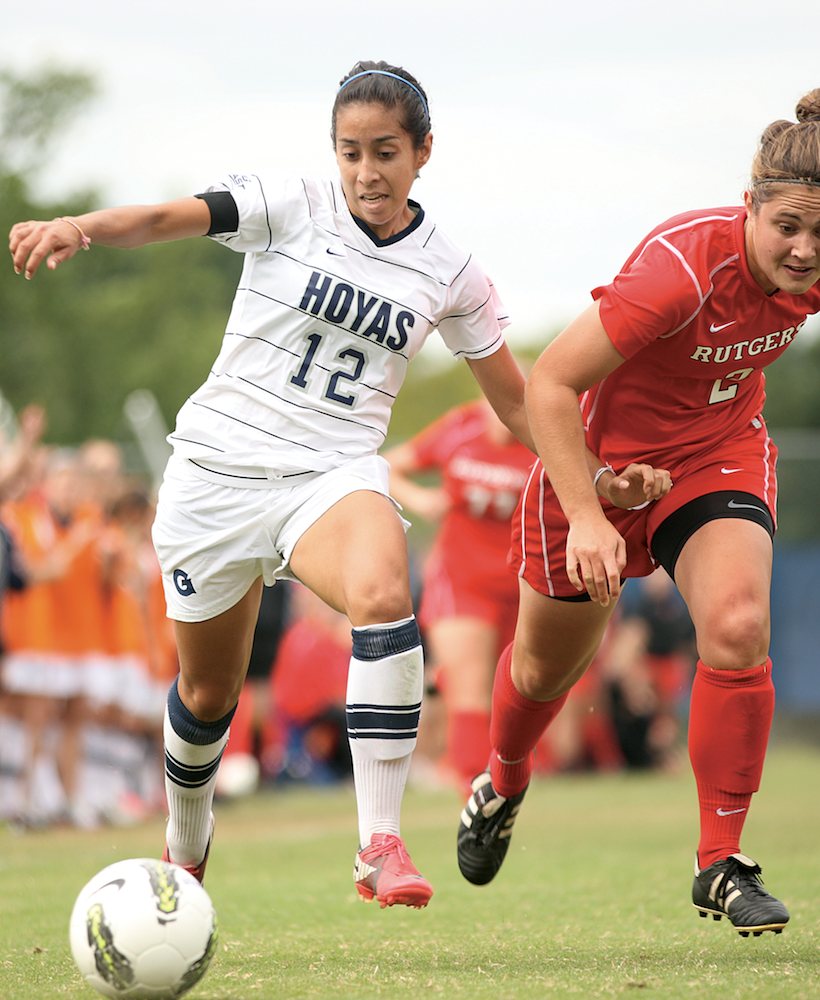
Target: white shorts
x: 214, y: 540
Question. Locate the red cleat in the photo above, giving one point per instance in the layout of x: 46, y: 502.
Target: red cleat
x: 198, y: 871
x: 384, y: 871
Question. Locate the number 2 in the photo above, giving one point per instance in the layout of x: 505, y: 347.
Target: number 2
x: 722, y: 393
x: 333, y: 381
x: 332, y: 389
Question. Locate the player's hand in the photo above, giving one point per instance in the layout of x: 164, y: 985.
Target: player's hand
x: 636, y: 485
x: 596, y: 556
x: 31, y: 243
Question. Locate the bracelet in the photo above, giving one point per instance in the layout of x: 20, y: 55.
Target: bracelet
x: 85, y: 242
x: 599, y: 473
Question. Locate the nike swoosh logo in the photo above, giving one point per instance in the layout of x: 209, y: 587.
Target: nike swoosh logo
x: 716, y: 329
x: 729, y: 812
x: 118, y: 882
x: 334, y: 253
x: 750, y: 506
x: 727, y: 471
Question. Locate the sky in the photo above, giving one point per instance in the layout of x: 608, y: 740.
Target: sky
x: 563, y: 132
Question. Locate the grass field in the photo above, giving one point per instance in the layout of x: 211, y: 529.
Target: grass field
x: 593, y: 900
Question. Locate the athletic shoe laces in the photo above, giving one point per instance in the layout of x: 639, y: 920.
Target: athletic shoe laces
x: 392, y: 843
x: 746, y: 877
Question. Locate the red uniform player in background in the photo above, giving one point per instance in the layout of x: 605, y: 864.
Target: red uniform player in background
x: 469, y: 597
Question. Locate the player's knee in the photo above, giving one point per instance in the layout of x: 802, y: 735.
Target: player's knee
x: 377, y: 601
x: 210, y: 701
x: 735, y: 638
x: 537, y: 683
x: 544, y: 671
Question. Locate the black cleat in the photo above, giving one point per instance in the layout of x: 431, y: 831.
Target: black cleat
x: 733, y: 887
x: 485, y: 829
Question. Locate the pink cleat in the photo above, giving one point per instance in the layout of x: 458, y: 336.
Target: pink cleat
x: 198, y: 871
x: 384, y: 871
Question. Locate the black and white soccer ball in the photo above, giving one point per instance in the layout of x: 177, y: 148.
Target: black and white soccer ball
x: 143, y: 930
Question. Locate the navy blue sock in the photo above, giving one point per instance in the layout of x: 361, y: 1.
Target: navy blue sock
x: 188, y: 727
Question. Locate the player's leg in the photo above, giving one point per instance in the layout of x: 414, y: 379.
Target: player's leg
x: 555, y: 641
x: 355, y: 558
x: 213, y: 660
x: 724, y: 574
x: 213, y: 542
x: 465, y: 651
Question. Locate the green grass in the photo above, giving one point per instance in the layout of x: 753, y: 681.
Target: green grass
x: 593, y: 900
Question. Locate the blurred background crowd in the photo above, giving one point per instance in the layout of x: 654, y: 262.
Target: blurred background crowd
x: 87, y: 653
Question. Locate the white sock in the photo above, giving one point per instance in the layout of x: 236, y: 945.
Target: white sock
x: 190, y: 778
x: 379, y: 791
x: 384, y: 691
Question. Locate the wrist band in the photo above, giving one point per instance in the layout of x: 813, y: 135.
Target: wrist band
x: 85, y: 242
x: 599, y: 473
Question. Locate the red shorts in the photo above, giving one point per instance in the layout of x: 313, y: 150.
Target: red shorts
x: 539, y: 535
x: 494, y: 601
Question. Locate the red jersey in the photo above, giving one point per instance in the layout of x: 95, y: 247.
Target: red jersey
x: 697, y: 331
x: 483, y: 480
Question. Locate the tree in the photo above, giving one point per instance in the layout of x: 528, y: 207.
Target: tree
x: 34, y: 112
x: 82, y: 338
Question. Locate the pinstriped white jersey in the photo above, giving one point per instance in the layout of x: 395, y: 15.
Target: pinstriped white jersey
x: 324, y: 322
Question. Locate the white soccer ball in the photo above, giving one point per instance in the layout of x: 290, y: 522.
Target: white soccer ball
x: 144, y: 930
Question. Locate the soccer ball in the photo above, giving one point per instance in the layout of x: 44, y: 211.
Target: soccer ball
x: 143, y: 930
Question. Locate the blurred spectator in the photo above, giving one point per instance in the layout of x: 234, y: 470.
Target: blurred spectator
x: 53, y: 628
x: 18, y: 464
x: 18, y: 456
x: 89, y: 653
x: 18, y: 460
x: 131, y: 683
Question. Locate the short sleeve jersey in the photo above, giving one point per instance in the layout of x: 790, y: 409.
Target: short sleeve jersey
x: 324, y: 322
x: 483, y: 480
x: 697, y: 331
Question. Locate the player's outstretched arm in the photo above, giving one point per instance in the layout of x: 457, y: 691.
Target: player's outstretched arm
x: 502, y: 382
x: 59, y: 239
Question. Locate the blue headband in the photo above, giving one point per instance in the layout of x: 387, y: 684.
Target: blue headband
x: 395, y: 76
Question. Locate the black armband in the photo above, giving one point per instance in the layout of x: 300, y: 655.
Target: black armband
x: 224, y: 213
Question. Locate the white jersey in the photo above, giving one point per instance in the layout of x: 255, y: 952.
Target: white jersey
x: 324, y: 322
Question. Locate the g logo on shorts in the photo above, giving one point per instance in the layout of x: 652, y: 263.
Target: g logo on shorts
x: 183, y: 583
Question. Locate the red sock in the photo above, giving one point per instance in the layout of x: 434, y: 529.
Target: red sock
x: 729, y: 722
x: 517, y: 724
x: 468, y: 743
